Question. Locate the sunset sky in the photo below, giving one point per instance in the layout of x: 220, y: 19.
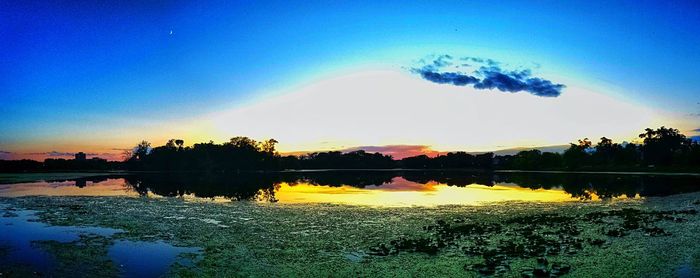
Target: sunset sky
x: 381, y: 75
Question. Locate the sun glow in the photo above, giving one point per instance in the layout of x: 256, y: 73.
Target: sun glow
x: 393, y: 107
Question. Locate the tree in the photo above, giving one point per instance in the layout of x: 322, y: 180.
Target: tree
x: 662, y: 145
x: 576, y: 155
x: 269, y: 146
x: 141, y: 150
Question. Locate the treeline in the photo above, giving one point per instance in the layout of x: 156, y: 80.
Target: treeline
x: 59, y: 164
x: 239, y: 154
x: 245, y: 154
x: 663, y: 148
x: 452, y: 160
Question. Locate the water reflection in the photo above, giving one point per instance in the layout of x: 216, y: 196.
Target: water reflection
x: 387, y: 188
x: 89, y: 186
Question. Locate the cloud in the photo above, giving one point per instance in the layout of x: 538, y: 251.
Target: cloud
x: 5, y: 155
x: 696, y: 130
x: 488, y: 76
x: 58, y: 154
x: 453, y: 78
x: 397, y: 151
x: 53, y: 154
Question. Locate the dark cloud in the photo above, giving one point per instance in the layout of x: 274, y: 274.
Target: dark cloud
x: 5, y: 152
x: 55, y: 153
x: 489, y: 76
x: 696, y: 130
x: 58, y: 154
x: 453, y: 78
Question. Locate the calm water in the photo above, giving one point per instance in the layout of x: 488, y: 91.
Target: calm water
x: 21, y: 233
x: 376, y: 188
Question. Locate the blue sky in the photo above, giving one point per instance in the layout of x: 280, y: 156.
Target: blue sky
x: 69, y: 65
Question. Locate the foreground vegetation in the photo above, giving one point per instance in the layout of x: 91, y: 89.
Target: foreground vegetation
x: 624, y: 238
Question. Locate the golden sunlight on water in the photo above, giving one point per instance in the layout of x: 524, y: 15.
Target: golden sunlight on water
x: 398, y: 192
x: 405, y: 193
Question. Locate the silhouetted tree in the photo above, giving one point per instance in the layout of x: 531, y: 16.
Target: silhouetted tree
x: 576, y: 155
x: 662, y: 145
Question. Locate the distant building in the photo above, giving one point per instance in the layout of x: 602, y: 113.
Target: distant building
x: 80, y: 156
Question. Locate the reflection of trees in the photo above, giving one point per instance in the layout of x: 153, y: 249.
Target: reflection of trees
x: 82, y: 181
x: 603, y: 185
x: 460, y: 179
x: 234, y: 187
x: 358, y: 179
x: 263, y: 186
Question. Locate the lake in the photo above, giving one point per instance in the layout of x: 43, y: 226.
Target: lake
x: 374, y: 188
x: 356, y: 222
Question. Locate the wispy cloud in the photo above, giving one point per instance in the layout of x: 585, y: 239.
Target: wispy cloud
x: 5, y: 155
x: 58, y: 154
x: 445, y: 69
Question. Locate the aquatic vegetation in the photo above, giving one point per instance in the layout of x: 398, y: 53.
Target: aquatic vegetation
x: 29, y: 247
x: 503, y: 239
x: 88, y: 254
x: 530, y: 236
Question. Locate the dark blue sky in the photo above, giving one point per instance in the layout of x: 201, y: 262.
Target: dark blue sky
x: 68, y: 64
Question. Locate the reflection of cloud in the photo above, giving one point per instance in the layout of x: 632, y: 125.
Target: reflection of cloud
x: 489, y: 75
x: 397, y: 151
x: 399, y: 184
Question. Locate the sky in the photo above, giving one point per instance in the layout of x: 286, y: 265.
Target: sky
x: 394, y: 76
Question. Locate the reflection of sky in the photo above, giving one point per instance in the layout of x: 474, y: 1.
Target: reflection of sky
x: 401, y: 184
x: 404, y: 193
x: 87, y: 77
x: 109, y: 187
x: 399, y: 192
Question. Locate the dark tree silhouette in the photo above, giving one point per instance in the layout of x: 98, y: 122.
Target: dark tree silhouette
x: 662, y: 148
